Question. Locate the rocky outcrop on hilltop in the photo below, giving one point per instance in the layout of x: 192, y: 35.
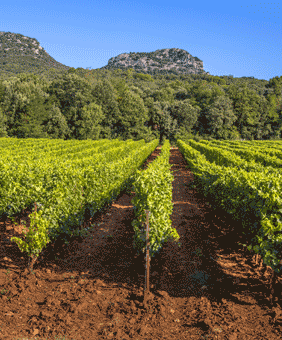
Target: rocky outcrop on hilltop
x: 169, y: 60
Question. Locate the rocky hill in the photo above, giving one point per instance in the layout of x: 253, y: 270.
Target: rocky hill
x: 19, y: 53
x: 169, y: 60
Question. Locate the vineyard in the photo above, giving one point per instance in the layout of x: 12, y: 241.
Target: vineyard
x: 73, y: 239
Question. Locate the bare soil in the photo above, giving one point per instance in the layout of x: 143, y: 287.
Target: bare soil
x: 92, y: 288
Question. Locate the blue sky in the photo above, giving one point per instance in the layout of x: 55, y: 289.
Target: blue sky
x: 242, y: 38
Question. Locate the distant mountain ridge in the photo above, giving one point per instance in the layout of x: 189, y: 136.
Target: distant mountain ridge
x: 19, y: 53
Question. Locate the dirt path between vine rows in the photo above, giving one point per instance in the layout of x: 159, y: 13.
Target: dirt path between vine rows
x: 210, y: 288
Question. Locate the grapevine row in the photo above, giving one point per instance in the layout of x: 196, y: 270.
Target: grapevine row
x: 66, y: 191
x: 153, y: 188
x: 252, y: 197
x: 250, y: 155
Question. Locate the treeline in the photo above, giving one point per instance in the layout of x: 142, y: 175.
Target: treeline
x: 95, y: 104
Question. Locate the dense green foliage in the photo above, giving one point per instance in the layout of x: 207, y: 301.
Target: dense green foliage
x: 248, y: 193
x: 92, y: 104
x: 64, y: 179
x: 153, y: 192
x: 248, y: 158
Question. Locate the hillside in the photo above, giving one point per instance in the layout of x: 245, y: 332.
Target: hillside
x: 19, y: 53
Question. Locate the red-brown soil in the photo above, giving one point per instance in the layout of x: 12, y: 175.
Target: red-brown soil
x: 94, y: 290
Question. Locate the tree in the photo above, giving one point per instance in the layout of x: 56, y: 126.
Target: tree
x: 169, y: 127
x: 55, y: 126
x: 204, y: 94
x: 136, y: 90
x: 161, y: 116
x: 2, y: 91
x: 71, y: 70
x: 149, y: 104
x: 104, y: 95
x: 164, y: 95
x: 269, y: 123
x: 185, y: 114
x: 133, y: 115
x: 87, y: 126
x: 130, y: 72
x: 247, y: 106
x: 72, y: 93
x: 201, y: 95
x: 220, y: 118
x: 276, y: 84
x: 143, y: 76
x: 20, y: 97
x: 34, y: 114
x: 175, y: 85
x: 272, y: 108
x: 120, y: 87
x: 3, y: 127
x: 181, y: 94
